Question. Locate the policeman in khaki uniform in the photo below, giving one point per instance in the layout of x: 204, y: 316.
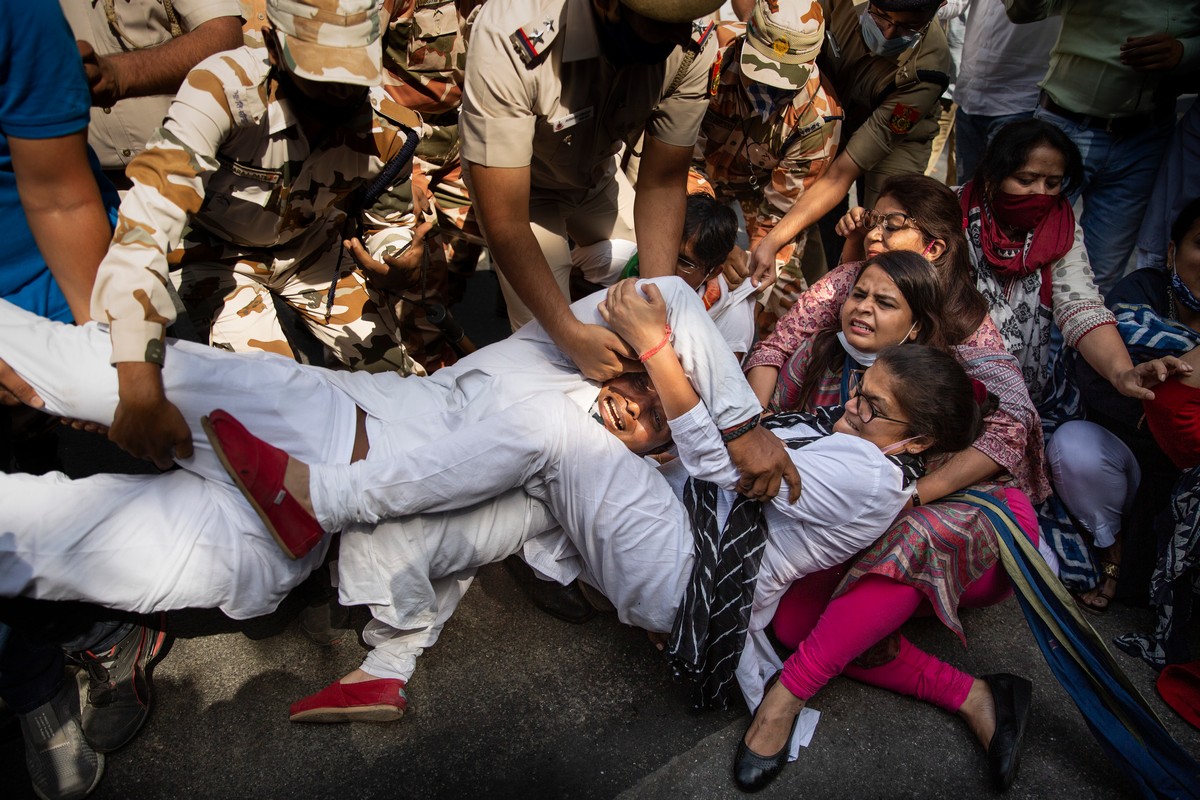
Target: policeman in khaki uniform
x: 889, y: 66
x: 252, y: 186
x: 772, y: 128
x: 553, y: 89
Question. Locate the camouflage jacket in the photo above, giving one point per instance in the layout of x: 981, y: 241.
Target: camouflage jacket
x: 232, y: 172
x: 424, y: 56
x: 772, y: 159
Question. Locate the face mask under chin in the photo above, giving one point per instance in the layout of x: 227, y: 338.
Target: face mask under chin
x: 623, y: 47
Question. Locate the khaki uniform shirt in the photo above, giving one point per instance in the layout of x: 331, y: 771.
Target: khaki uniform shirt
x: 119, y: 132
x: 768, y: 160
x: 540, y: 94
x: 232, y: 165
x: 888, y: 100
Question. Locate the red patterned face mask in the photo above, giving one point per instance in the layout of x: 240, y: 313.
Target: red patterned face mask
x: 1023, y: 212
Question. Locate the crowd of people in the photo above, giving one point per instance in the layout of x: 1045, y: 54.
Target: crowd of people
x: 768, y: 381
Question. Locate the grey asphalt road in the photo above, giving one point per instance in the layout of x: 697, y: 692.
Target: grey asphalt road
x: 514, y: 703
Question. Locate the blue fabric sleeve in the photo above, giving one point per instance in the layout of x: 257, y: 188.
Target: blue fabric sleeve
x: 45, y: 93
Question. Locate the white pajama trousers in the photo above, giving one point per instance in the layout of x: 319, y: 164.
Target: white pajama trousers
x: 181, y: 539
x: 629, y: 526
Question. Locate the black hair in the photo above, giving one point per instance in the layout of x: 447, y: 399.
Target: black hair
x: 711, y: 227
x: 936, y: 395
x: 1184, y: 221
x: 1010, y: 148
x: 921, y: 287
x: 937, y: 213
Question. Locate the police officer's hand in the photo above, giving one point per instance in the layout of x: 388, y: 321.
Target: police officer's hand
x: 398, y: 273
x: 146, y: 424
x: 764, y: 463
x: 103, y: 77
x: 1154, y: 53
x: 736, y: 268
x: 599, y: 353
x: 762, y: 262
x: 14, y: 391
x: 853, y: 223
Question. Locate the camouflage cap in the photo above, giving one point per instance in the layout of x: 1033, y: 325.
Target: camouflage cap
x: 782, y: 39
x: 334, y: 41
x: 673, y: 10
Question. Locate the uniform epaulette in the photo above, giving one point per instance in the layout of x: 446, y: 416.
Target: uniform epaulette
x: 701, y: 30
x: 388, y: 108
x: 532, y: 39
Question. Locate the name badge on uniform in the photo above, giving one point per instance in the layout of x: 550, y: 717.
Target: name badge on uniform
x: 571, y: 120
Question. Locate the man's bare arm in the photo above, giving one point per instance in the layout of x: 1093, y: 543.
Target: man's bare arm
x: 660, y: 205
x: 64, y: 210
x: 159, y: 69
x: 501, y: 196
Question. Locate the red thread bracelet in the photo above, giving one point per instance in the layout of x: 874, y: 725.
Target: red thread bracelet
x: 646, y: 356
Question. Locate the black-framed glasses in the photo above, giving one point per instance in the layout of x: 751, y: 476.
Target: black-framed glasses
x: 904, y: 29
x: 891, y: 222
x: 871, y: 411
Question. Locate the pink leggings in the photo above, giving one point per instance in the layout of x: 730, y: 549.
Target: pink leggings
x: 829, y: 634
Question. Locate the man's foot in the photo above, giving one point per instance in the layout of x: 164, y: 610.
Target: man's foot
x: 118, y: 686
x: 275, y: 484
x: 358, y: 697
x: 562, y: 602
x: 1098, y: 599
x: 61, y: 764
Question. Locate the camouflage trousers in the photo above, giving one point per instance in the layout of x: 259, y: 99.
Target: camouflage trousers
x: 229, y: 296
x: 789, y: 277
x: 452, y: 250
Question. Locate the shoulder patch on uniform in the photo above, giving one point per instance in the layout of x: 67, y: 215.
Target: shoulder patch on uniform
x: 701, y: 30
x: 531, y: 39
x: 388, y: 108
x: 714, y: 76
x: 903, y: 118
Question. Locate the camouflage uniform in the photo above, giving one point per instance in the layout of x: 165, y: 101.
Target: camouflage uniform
x: 766, y: 163
x: 232, y: 190
x: 423, y: 59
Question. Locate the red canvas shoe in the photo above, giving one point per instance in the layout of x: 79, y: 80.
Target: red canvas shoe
x: 380, y: 700
x: 257, y: 468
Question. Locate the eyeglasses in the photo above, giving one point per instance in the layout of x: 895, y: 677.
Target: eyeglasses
x: 903, y: 28
x: 893, y: 222
x: 871, y: 412
x: 687, y: 265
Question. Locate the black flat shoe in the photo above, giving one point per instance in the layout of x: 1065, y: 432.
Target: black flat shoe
x: 1012, y: 696
x: 752, y: 772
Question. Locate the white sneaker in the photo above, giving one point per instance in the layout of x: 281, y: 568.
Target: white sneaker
x: 61, y: 764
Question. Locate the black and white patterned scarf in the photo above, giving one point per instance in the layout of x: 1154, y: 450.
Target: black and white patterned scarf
x: 709, y: 631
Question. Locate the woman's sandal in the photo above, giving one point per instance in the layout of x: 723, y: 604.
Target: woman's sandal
x: 1097, y: 600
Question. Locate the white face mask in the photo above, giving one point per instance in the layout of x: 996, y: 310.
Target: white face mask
x: 864, y: 358
x: 896, y: 447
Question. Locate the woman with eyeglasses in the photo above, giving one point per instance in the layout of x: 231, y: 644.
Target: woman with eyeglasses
x: 938, y: 553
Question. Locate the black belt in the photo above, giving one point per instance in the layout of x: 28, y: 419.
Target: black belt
x: 1117, y: 126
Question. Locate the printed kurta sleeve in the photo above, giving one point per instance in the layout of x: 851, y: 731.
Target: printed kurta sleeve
x: 676, y: 119
x: 169, y: 181
x: 496, y: 122
x: 814, y: 311
x: 1078, y: 307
